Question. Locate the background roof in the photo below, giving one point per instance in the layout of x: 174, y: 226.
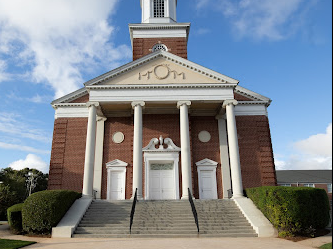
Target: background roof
x: 304, y: 176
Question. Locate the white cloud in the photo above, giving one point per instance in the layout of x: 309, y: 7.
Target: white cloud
x: 14, y: 125
x: 21, y: 147
x: 60, y: 39
x: 31, y: 161
x: 262, y: 19
x: 313, y: 153
x: 317, y: 145
x: 3, y: 74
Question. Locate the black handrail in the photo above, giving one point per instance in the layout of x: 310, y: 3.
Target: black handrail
x: 194, y: 210
x: 133, y: 209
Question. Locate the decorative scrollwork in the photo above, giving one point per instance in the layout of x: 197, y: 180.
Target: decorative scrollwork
x: 162, y: 72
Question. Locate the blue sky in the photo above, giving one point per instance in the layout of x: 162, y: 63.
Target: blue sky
x: 281, y: 49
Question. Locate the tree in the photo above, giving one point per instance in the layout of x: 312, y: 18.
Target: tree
x: 14, y: 186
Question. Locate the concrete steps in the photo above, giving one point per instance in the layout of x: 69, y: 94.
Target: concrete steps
x: 163, y: 219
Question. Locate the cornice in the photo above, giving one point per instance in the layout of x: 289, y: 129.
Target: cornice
x: 252, y: 95
x: 252, y: 103
x: 71, y: 96
x: 55, y: 106
x: 164, y: 86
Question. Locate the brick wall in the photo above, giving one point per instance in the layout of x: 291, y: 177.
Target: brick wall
x: 123, y: 151
x: 210, y: 150
x: 256, y: 153
x: 68, y: 153
x: 83, y: 99
x: 142, y: 46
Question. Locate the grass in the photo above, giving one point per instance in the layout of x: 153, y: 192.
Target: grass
x: 327, y: 246
x: 14, y: 244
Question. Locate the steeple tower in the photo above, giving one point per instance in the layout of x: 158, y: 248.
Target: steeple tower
x: 159, y: 11
x: 159, y: 30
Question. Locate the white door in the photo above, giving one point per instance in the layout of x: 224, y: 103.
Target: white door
x: 116, y: 188
x: 161, y: 182
x: 208, y: 188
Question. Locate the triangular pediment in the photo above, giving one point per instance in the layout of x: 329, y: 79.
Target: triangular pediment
x: 116, y: 163
x: 206, y: 162
x: 161, y: 68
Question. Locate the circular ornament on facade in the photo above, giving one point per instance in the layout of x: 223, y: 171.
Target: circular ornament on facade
x: 118, y: 137
x: 204, y: 136
x: 161, y: 72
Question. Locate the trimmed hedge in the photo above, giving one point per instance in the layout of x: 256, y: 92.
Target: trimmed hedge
x: 14, y: 215
x: 43, y: 210
x: 293, y: 210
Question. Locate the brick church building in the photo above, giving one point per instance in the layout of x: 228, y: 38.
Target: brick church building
x: 161, y: 124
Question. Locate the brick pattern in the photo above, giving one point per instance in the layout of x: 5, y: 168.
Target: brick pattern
x: 69, y: 140
x: 210, y: 150
x: 83, y: 99
x: 241, y: 97
x: 123, y: 151
x: 68, y: 154
x: 57, y: 154
x: 256, y: 153
x: 143, y: 46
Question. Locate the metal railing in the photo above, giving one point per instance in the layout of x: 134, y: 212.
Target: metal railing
x: 194, y: 210
x: 135, y: 200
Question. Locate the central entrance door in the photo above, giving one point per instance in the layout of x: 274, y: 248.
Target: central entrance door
x: 162, y: 181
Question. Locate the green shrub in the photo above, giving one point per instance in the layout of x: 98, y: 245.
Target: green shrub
x: 14, y: 215
x: 293, y: 210
x: 8, y: 198
x: 43, y: 210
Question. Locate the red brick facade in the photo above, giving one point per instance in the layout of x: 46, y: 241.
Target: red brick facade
x: 68, y: 149
x: 143, y: 46
x: 256, y: 153
x: 68, y: 153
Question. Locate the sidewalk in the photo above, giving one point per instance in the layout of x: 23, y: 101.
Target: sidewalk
x: 202, y: 243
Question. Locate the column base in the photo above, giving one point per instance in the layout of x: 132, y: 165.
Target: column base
x: 87, y: 197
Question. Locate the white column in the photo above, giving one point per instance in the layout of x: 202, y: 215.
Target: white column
x: 137, y: 148
x: 98, y: 168
x: 88, y: 176
x: 185, y: 148
x: 236, y: 174
x: 224, y: 154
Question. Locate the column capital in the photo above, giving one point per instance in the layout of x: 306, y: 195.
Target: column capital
x: 181, y: 103
x: 136, y: 103
x: 229, y: 102
x: 89, y: 104
x: 101, y: 119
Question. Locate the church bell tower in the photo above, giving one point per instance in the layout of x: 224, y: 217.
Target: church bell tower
x: 159, y: 30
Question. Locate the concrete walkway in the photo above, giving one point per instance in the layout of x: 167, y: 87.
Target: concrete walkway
x: 204, y: 243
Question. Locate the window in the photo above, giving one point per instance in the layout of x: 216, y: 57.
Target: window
x: 285, y: 185
x: 309, y: 185
x: 158, y: 47
x: 329, y: 188
x: 159, y: 8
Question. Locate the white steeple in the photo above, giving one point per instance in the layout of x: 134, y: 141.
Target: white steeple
x: 159, y: 11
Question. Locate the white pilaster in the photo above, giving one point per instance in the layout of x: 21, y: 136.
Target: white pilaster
x: 224, y: 155
x: 88, y: 177
x: 137, y: 148
x: 185, y: 147
x: 99, y: 156
x: 236, y: 174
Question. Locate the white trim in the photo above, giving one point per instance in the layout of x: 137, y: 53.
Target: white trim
x: 162, y: 157
x: 71, y: 111
x: 251, y: 109
x: 116, y: 166
x: 252, y: 95
x: 207, y: 165
x: 178, y: 33
x: 160, y: 93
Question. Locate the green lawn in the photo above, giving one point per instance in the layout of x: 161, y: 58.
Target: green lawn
x: 327, y: 246
x: 14, y: 244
